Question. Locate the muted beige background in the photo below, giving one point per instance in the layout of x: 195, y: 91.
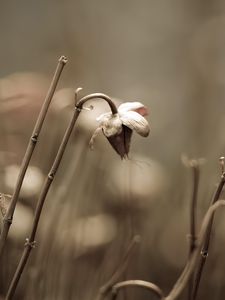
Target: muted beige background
x: 168, y: 54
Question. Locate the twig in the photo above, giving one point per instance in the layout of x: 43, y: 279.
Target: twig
x: 116, y: 275
x: 7, y: 220
x: 205, y: 247
x: 30, y: 242
x: 137, y: 283
x: 192, y: 235
x: 189, y: 269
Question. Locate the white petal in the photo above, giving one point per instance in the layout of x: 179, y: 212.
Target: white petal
x: 133, y: 106
x: 136, y: 122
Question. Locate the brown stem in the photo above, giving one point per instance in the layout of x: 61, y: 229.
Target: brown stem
x: 81, y: 102
x: 138, y: 283
x: 116, y: 275
x: 193, y: 237
x: 191, y: 265
x: 7, y: 220
x: 205, y: 247
x: 30, y: 242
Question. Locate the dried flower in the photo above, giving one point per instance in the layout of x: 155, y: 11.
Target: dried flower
x: 118, y: 127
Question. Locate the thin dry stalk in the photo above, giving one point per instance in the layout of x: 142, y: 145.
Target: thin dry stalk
x: 138, y: 283
x: 111, y: 104
x: 191, y: 265
x: 193, y: 210
x: 205, y: 247
x: 120, y: 270
x: 30, y: 242
x: 8, y: 218
x: 182, y: 281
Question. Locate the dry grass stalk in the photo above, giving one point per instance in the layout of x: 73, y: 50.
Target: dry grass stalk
x: 8, y: 218
x: 30, y: 242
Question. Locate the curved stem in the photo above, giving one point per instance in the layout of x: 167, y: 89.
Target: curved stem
x: 81, y: 102
x: 189, y: 269
x: 120, y: 270
x: 30, y: 242
x: 138, y: 283
x: 205, y: 246
x: 7, y: 220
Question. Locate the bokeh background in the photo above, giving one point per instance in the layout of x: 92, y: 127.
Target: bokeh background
x: 168, y: 54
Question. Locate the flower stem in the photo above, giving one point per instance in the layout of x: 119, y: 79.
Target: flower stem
x: 7, y: 220
x: 81, y: 102
x: 189, y: 268
x: 195, y: 170
x: 138, y: 283
x: 116, y: 275
x: 30, y: 242
x: 205, y: 246
x: 193, y: 237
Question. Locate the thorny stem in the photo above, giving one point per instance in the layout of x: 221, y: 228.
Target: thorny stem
x: 137, y: 283
x: 205, y: 246
x: 7, y: 220
x: 189, y: 269
x: 30, y: 242
x: 192, y: 236
x: 116, y: 275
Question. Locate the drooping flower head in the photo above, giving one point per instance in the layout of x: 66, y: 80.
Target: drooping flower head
x: 118, y: 127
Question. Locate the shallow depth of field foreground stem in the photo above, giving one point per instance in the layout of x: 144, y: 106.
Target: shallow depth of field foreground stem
x: 30, y: 242
x: 195, y: 168
x: 188, y: 270
x: 8, y: 218
x: 205, y: 246
x: 105, y: 289
x: 191, y: 265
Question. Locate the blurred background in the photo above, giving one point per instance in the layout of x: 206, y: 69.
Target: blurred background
x: 167, y: 54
